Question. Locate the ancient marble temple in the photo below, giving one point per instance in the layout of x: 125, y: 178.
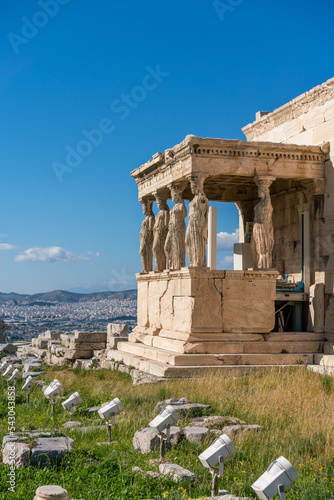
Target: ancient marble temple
x: 192, y: 317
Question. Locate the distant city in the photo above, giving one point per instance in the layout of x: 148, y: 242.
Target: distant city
x: 30, y: 315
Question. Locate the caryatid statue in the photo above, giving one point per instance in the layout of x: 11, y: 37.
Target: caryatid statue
x: 175, y: 249
x: 263, y: 231
x: 197, y: 231
x: 146, y: 236
x: 160, y: 231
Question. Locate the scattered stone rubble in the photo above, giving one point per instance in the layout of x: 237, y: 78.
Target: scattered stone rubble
x: 81, y: 348
x: 197, y: 430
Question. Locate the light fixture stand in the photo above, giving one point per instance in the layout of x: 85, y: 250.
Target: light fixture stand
x: 217, y: 472
x: 109, y: 426
x: 164, y: 442
x: 281, y: 491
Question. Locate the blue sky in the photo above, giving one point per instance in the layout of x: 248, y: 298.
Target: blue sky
x: 208, y: 66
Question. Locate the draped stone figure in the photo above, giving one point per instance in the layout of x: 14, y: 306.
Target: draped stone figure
x: 197, y: 231
x: 160, y: 231
x: 146, y: 236
x: 263, y: 232
x: 175, y: 242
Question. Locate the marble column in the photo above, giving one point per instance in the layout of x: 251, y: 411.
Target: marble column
x: 160, y: 231
x: 263, y: 231
x: 146, y: 236
x: 175, y: 242
x: 197, y: 231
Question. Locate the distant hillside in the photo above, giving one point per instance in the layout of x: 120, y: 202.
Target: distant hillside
x: 63, y: 296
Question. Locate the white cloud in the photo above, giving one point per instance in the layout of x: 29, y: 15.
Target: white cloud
x: 7, y: 246
x: 49, y: 254
x: 95, y: 254
x: 225, y: 241
x: 226, y: 262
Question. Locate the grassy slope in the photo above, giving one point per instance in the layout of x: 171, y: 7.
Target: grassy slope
x: 296, y: 409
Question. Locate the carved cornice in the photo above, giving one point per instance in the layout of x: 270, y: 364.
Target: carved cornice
x: 293, y: 109
x: 205, y: 273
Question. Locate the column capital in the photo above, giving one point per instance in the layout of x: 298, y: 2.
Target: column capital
x: 264, y: 180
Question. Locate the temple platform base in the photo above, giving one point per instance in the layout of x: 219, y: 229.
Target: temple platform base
x: 274, y: 350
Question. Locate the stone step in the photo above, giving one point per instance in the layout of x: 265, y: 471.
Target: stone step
x: 324, y: 360
x: 235, y: 347
x: 167, y: 371
x: 174, y: 359
x: 322, y: 370
x: 329, y: 348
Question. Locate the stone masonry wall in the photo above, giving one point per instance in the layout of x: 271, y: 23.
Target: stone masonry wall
x: 306, y: 120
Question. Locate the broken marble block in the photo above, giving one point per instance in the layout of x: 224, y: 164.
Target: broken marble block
x: 182, y: 406
x: 47, y: 451
x: 117, y: 332
x: 234, y: 429
x: 196, y: 434
x: 8, y: 348
x: 146, y: 439
x: 176, y: 472
x: 17, y: 454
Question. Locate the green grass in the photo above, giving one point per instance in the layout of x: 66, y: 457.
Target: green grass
x: 295, y: 408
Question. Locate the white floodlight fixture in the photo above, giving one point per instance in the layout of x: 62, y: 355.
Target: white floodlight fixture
x: 27, y: 386
x: 279, y: 477
x: 163, y: 422
x: 222, y: 449
x: 110, y: 410
x: 14, y: 376
x: 72, y: 402
x: 4, y: 365
x: 52, y: 392
x: 8, y: 371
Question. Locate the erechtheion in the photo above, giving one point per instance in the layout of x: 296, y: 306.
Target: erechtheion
x: 277, y: 306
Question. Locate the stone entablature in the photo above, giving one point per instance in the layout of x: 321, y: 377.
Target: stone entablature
x: 302, y: 104
x: 226, y: 161
x: 200, y: 170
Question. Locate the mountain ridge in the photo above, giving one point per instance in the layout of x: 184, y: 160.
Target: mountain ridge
x: 57, y: 296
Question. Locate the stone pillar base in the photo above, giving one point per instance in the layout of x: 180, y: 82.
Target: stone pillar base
x: 194, y: 304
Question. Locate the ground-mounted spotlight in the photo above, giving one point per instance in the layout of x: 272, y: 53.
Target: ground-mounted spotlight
x: 163, y: 422
x: 222, y: 449
x: 279, y: 477
x: 9, y: 370
x: 110, y: 410
x: 4, y: 365
x: 14, y: 376
x: 72, y: 402
x: 27, y: 386
x: 52, y: 392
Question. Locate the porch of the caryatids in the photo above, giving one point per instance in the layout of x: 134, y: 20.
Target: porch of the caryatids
x: 197, y: 231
